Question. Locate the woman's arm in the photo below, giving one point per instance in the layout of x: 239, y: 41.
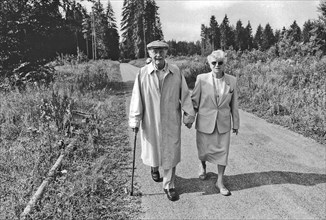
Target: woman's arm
x: 196, y: 93
x: 234, y: 108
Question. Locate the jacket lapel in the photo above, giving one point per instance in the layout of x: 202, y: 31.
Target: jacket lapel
x: 213, y: 89
x: 226, y: 90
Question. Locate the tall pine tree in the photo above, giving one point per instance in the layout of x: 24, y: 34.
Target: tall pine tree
x: 127, y: 25
x: 268, y: 38
x: 226, y: 34
x: 112, y: 35
x: 205, y: 44
x: 214, y: 33
x: 240, y: 36
x: 258, y: 39
x: 100, y: 27
x: 248, y: 37
x: 137, y: 32
x: 153, y: 27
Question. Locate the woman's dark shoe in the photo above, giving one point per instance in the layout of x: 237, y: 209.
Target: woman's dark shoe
x: 171, y: 194
x: 155, y: 175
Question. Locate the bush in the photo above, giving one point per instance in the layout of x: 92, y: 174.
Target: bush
x: 92, y: 76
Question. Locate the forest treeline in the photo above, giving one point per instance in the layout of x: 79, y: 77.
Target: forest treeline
x: 40, y: 30
x: 240, y: 37
x: 36, y: 30
x: 311, y: 38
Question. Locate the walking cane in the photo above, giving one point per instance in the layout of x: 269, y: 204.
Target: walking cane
x: 133, y: 164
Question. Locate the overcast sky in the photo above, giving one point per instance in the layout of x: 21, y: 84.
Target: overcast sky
x: 181, y: 19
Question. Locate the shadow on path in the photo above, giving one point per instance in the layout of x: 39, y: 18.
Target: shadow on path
x: 124, y: 88
x: 248, y: 180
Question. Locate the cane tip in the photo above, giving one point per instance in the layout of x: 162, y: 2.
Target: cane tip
x: 136, y: 194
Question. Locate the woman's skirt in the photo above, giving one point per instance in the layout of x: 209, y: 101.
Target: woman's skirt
x: 214, y: 147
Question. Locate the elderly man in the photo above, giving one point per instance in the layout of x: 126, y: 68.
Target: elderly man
x: 160, y: 93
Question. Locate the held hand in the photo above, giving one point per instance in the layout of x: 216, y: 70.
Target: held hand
x: 136, y: 129
x: 188, y: 125
x: 235, y: 131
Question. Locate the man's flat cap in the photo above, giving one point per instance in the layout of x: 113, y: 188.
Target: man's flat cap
x: 157, y: 44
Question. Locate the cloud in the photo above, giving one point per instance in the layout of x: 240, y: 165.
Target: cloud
x: 271, y: 4
x: 197, y: 5
x: 182, y: 31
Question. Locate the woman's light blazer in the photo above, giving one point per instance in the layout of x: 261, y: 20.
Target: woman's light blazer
x: 213, y: 110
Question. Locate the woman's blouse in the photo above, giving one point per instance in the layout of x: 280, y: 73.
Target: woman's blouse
x: 219, y: 84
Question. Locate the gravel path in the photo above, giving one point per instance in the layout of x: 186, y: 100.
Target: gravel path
x: 273, y: 173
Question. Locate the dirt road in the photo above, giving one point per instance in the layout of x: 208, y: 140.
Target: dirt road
x: 273, y: 173
x: 128, y: 72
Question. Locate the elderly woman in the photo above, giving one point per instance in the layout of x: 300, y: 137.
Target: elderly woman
x: 215, y: 101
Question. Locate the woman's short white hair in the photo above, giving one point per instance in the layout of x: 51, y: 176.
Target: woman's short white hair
x: 217, y: 55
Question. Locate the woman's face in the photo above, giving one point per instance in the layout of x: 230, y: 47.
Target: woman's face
x: 217, y: 65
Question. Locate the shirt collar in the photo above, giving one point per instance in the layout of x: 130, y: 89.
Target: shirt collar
x: 152, y: 69
x: 225, y: 78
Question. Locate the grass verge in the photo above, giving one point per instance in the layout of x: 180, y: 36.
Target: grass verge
x: 97, y: 178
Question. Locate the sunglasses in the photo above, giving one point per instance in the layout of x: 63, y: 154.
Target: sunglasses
x: 220, y: 63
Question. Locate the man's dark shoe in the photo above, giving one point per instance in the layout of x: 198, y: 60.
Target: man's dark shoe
x: 155, y: 175
x: 171, y: 194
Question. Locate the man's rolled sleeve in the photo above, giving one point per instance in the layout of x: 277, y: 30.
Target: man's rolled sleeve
x: 136, y: 105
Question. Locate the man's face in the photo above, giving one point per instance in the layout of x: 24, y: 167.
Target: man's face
x: 158, y: 55
x: 217, y: 65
